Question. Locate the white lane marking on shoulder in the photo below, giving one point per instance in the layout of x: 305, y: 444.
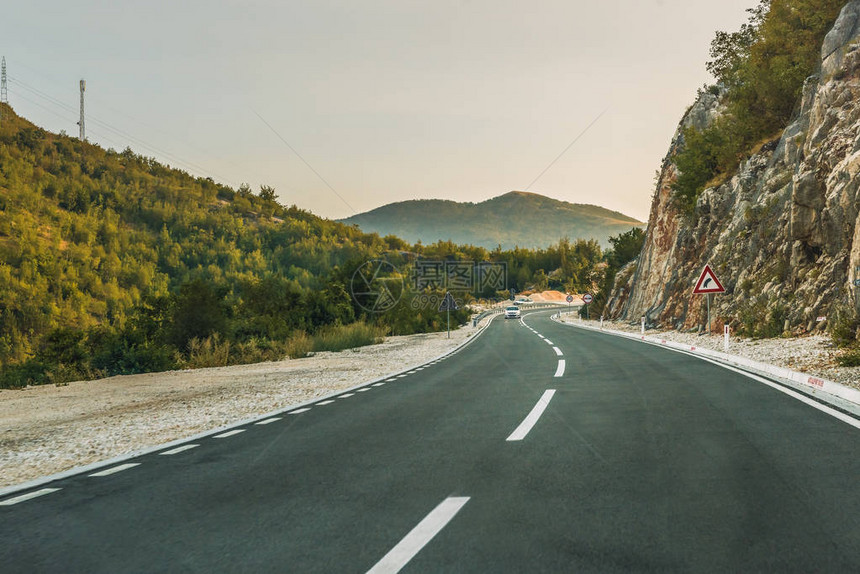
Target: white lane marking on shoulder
x: 116, y: 469
x: 400, y: 376
x: 557, y: 351
x: 560, y: 370
x: 377, y: 384
x: 420, y: 536
x: 364, y: 390
x: 179, y: 449
x: 299, y: 411
x: 794, y: 394
x: 324, y: 403
x: 268, y: 421
x: 229, y: 433
x: 28, y: 496
x: 346, y: 396
x: 532, y: 418
x: 391, y: 379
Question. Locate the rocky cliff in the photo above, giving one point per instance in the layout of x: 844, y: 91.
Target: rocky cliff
x: 782, y: 234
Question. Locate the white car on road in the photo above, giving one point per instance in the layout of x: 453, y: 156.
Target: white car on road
x: 512, y: 313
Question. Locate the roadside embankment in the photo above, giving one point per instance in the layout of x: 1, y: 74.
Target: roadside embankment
x: 49, y: 429
x: 814, y: 355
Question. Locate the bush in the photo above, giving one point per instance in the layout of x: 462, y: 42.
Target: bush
x: 849, y: 358
x: 299, y: 345
x: 340, y: 337
x: 210, y: 352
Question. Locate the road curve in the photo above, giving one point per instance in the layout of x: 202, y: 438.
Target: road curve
x: 537, y: 448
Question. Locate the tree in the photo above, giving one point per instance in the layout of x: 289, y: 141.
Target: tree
x: 267, y: 193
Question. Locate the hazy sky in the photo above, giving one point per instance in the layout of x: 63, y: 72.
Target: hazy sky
x: 386, y: 99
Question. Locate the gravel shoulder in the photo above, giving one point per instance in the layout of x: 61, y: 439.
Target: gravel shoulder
x: 48, y: 429
x: 814, y: 354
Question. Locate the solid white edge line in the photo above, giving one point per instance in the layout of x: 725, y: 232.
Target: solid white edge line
x: 532, y: 418
x: 268, y: 421
x: 560, y: 370
x: 776, y: 386
x: 557, y: 351
x: 116, y: 469
x: 420, y: 536
x: 229, y: 433
x: 28, y: 496
x: 179, y: 449
x: 794, y: 394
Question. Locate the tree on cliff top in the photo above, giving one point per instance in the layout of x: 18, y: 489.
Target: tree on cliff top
x: 762, y: 68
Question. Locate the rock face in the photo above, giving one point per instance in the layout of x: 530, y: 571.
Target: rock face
x: 783, y: 234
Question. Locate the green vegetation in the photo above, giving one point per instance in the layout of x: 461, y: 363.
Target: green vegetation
x: 625, y: 248
x: 111, y: 263
x: 760, y: 72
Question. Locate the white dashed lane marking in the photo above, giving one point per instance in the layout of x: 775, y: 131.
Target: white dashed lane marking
x: 346, y: 396
x: 299, y: 411
x: 28, y: 496
x: 532, y: 418
x: 379, y: 384
x: 560, y: 371
x: 420, y: 536
x: 364, y: 390
x: 324, y: 403
x: 557, y: 351
x: 229, y: 433
x: 116, y: 469
x: 179, y: 449
x: 268, y: 421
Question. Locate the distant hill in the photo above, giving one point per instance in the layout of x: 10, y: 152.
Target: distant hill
x: 516, y: 218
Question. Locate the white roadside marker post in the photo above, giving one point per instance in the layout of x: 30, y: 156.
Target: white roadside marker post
x: 726, y: 338
x: 643, y: 326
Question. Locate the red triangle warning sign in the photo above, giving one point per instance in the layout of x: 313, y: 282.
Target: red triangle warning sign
x: 708, y: 283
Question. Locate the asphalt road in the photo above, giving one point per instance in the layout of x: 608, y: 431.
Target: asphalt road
x: 641, y: 460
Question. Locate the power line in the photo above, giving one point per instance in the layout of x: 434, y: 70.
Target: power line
x: 292, y: 149
x: 570, y: 145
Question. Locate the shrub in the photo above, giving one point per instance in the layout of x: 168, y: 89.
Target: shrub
x: 849, y: 358
x: 299, y: 345
x: 340, y: 337
x: 210, y: 352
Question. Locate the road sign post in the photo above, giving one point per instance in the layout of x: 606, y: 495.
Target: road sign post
x: 569, y: 301
x: 587, y: 299
x: 448, y: 303
x: 706, y: 285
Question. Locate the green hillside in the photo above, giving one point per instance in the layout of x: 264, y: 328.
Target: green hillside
x: 113, y: 263
x: 514, y: 219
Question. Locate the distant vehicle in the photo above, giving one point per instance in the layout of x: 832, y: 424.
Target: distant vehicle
x: 512, y: 313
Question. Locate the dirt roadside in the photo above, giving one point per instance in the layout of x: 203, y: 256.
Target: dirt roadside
x: 48, y: 429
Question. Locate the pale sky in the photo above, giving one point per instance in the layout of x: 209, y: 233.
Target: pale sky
x: 387, y: 100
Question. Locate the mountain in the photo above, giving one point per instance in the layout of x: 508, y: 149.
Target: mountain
x: 781, y: 229
x: 518, y: 218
